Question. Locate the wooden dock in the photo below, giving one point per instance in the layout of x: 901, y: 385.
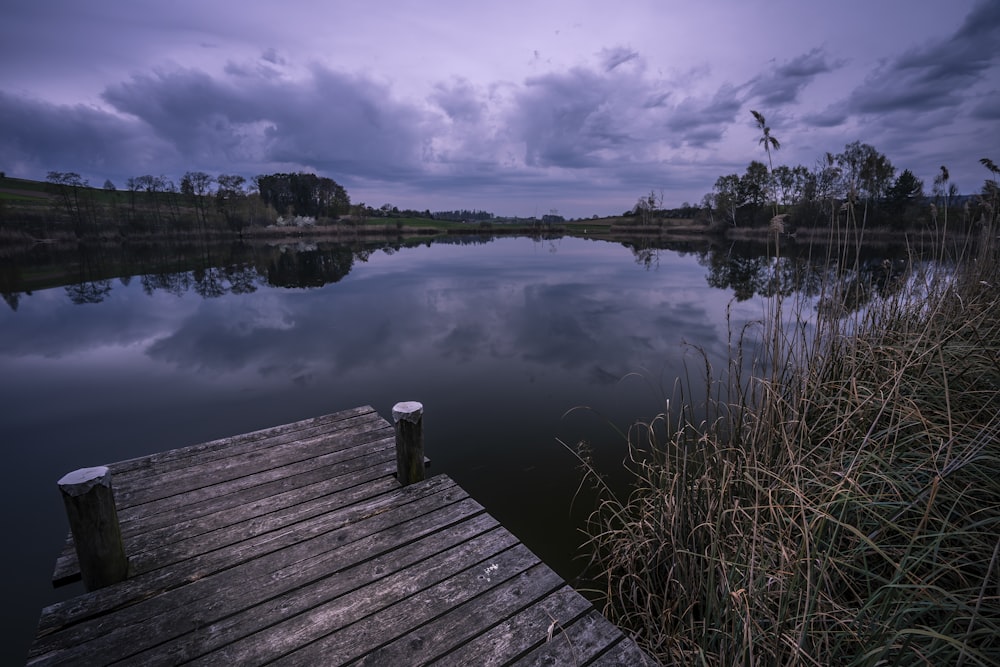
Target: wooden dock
x: 296, y: 545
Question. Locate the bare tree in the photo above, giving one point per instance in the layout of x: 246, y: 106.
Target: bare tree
x: 197, y: 185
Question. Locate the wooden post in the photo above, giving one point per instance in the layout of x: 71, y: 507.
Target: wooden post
x: 93, y: 520
x: 409, y: 422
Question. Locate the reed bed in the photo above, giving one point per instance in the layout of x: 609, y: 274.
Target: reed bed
x: 833, y: 496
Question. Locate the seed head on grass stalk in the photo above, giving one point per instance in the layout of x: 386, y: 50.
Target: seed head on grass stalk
x: 769, y: 142
x: 838, y: 503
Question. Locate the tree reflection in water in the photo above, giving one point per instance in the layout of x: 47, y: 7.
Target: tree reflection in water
x: 744, y: 268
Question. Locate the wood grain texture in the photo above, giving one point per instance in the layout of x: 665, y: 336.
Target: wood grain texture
x: 297, y: 545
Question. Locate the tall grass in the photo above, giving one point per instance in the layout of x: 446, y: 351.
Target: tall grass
x: 833, y: 496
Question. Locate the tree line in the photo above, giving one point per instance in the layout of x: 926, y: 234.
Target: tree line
x: 859, y: 175
x: 860, y: 179
x: 200, y: 200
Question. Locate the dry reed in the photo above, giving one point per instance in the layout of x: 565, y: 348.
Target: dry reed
x: 836, y: 501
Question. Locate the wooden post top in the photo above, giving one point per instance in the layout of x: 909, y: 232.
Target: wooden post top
x: 81, y: 481
x: 411, y: 411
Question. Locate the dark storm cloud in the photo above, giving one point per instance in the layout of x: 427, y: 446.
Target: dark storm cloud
x: 346, y: 124
x: 988, y: 107
x: 936, y: 75
x: 172, y: 120
x: 330, y: 121
x: 585, y: 128
x: 38, y: 136
x: 460, y: 100
x: 700, y: 122
x: 832, y: 116
x: 186, y: 108
x: 567, y: 119
x: 784, y: 83
x: 608, y: 116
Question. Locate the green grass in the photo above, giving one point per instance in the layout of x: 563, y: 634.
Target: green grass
x: 10, y: 196
x: 833, y: 495
x: 23, y: 184
x: 427, y: 223
x: 20, y: 191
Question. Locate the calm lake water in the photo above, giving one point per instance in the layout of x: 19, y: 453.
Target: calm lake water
x: 499, y: 340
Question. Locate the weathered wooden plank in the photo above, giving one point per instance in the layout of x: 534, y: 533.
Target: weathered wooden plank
x: 353, y: 522
x: 150, y: 554
x: 332, y: 491
x: 179, y: 625
x: 295, y: 544
x: 211, y: 641
x: 230, y: 492
x: 575, y: 644
x: 156, y: 486
x: 155, y: 482
x: 521, y: 632
x: 462, y: 622
x: 625, y: 653
x: 349, y: 523
x: 202, y: 502
x: 347, y: 628
x: 183, y: 456
x: 144, y: 472
x: 306, y: 555
x: 158, y: 481
x: 213, y: 512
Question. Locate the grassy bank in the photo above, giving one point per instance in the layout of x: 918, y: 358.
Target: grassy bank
x: 833, y: 496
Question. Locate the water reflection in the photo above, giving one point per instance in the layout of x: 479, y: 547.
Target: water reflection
x: 109, y: 353
x: 747, y: 269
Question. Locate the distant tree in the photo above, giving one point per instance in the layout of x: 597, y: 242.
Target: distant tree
x: 865, y: 173
x: 329, y: 198
x: 646, y: 207
x: 196, y: 186
x: 877, y: 175
x: 359, y: 213
x: 708, y: 207
x: 152, y: 186
x: 173, y: 195
x: 553, y: 218
x: 907, y: 186
x: 727, y: 195
x: 753, y: 187
x: 790, y: 184
x: 70, y: 189
x: 303, y: 194
x: 905, y: 195
x: 132, y: 184
x: 824, y: 188
x: 228, y: 197
x: 109, y: 186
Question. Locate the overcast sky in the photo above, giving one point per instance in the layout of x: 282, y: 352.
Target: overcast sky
x: 514, y: 107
